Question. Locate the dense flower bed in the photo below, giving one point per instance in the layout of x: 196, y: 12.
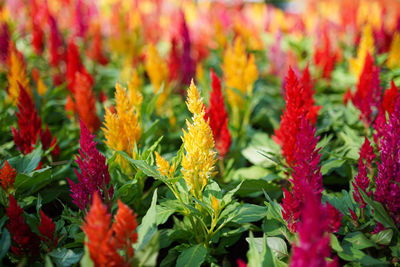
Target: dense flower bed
x: 199, y: 133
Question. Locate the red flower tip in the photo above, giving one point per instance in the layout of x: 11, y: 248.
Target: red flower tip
x: 218, y: 117
x: 47, y: 229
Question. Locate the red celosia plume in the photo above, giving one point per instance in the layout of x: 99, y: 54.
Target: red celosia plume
x: 47, y: 229
x: 30, y: 127
x: 299, y: 97
x: 24, y: 241
x: 218, y: 117
x: 368, y: 95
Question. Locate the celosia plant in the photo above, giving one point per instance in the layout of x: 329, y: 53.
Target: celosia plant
x: 299, y: 98
x: 387, y: 182
x: 7, y: 176
x: 122, y: 127
x: 94, y: 175
x: 17, y: 75
x: 218, y: 117
x: 314, y: 242
x: 104, y: 240
x: 199, y: 159
x: 240, y: 73
x: 30, y: 127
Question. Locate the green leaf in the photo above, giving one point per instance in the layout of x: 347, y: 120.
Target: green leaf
x: 229, y: 195
x: 149, y: 170
x: 259, y: 254
x: 148, y: 227
x: 192, y: 257
x: 249, y: 213
x: 65, y: 257
x: 335, y: 243
x: 254, y: 186
x: 380, y: 213
x: 28, y: 163
x: 328, y: 166
x: 358, y: 240
x: 29, y: 184
x: 383, y: 237
x: 86, y: 261
x: 5, y: 243
x: 278, y: 247
x: 163, y: 213
x: 352, y: 254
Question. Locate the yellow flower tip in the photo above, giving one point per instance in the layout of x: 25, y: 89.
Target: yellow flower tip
x: 200, y: 157
x: 394, y: 52
x: 122, y: 128
x: 163, y: 166
x: 215, y: 204
x: 194, y: 102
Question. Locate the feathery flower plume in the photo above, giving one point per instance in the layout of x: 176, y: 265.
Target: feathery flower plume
x: 199, y: 159
x: 85, y: 102
x: 95, y: 51
x: 324, y: 58
x: 47, y: 229
x: 37, y: 31
x: 55, y: 42
x: 124, y: 229
x: 218, y: 117
x: 367, y: 98
x: 30, y: 127
x: 306, y: 172
x: 105, y: 241
x: 41, y: 88
x: 388, y: 102
x: 361, y: 182
x: 74, y: 66
x: 17, y: 75
x: 101, y: 244
x: 188, y: 66
x: 94, y: 175
x: 4, y: 42
x: 157, y: 70
x: 299, y: 102
x: 174, y: 62
x: 314, y: 240
x: 24, y: 241
x: 389, y: 98
x: 164, y: 167
x: 240, y: 72
x: 365, y: 47
x: 122, y: 128
x: 7, y: 176
x: 134, y: 94
x: 387, y: 183
x: 393, y: 60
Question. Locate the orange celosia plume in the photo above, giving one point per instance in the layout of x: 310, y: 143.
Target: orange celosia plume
x: 105, y: 241
x: 7, y: 176
x: 85, y: 103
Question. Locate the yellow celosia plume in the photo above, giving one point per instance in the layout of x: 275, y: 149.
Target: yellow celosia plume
x: 240, y: 73
x: 164, y: 167
x: 157, y: 70
x: 122, y: 128
x: 394, y: 53
x: 200, y: 157
x: 366, y: 46
x: 135, y: 96
x: 17, y: 75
